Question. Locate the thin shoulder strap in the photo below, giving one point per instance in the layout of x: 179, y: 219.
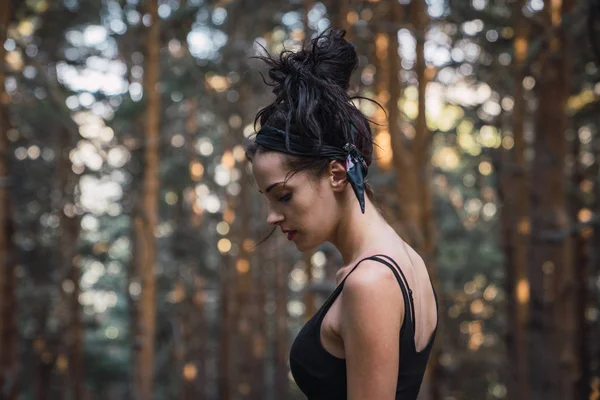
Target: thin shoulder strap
x: 339, y: 287
x: 406, y: 291
x: 353, y: 268
x: 403, y: 285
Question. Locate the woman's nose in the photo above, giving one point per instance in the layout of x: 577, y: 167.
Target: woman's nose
x: 273, y: 217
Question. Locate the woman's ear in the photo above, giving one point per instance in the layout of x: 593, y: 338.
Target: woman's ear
x: 337, y: 176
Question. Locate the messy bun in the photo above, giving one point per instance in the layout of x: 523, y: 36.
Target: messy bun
x: 311, y: 100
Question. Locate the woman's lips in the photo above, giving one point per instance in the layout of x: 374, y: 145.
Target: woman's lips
x: 291, y: 234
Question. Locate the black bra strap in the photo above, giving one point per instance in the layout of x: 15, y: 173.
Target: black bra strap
x: 339, y: 287
x: 403, y: 282
x: 403, y: 285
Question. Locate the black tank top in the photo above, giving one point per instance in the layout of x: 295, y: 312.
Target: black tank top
x: 322, y: 376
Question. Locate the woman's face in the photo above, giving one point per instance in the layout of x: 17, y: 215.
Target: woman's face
x: 304, y: 207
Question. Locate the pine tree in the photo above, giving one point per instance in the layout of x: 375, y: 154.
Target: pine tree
x: 8, y: 305
x: 146, y: 242
x: 550, y: 264
x: 516, y: 214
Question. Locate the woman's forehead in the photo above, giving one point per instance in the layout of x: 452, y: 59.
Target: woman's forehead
x: 268, y: 168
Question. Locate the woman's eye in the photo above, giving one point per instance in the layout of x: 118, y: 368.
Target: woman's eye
x: 285, y: 198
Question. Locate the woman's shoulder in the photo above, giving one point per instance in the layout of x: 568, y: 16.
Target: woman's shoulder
x: 364, y: 261
x: 371, y: 297
x: 369, y: 276
x: 386, y: 266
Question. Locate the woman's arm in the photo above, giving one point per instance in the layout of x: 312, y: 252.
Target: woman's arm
x: 372, y: 311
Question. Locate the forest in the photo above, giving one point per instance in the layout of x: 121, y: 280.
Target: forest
x: 130, y: 258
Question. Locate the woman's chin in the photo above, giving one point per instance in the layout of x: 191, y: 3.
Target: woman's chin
x: 305, y: 246
x: 300, y: 245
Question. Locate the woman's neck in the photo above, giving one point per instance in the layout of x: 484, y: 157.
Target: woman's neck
x: 357, y: 231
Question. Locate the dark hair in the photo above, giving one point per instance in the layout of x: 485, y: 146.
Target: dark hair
x: 312, y: 102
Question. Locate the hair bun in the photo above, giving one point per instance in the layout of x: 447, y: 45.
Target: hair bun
x: 311, y: 89
x: 328, y: 59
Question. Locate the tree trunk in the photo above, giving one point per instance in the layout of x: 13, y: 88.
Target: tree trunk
x: 8, y: 299
x: 310, y: 307
x: 4, y: 172
x: 517, y: 210
x: 195, y: 166
x: 591, y: 382
x: 568, y: 318
x: 422, y: 142
x: 43, y: 375
x: 145, y: 230
x: 197, y: 339
x: 309, y: 294
x: 551, y: 267
x: 8, y: 306
x: 225, y: 312
x: 260, y: 329
x: 281, y: 328
x: 76, y: 365
x: 571, y: 288
x: 408, y: 210
x: 340, y: 16
x: 508, y: 232
x: 306, y: 7
x: 245, y: 291
x: 69, y: 233
x: 228, y: 311
x: 423, y: 166
x: 581, y: 263
x: 133, y: 295
x: 184, y: 373
x: 235, y: 275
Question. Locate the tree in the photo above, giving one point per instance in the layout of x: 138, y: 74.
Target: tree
x: 70, y: 268
x: 551, y: 266
x: 516, y: 217
x: 569, y: 307
x: 8, y: 312
x: 309, y: 295
x: 422, y: 150
x: 340, y: 14
x: 281, y: 325
x: 479, y: 63
x: 144, y: 231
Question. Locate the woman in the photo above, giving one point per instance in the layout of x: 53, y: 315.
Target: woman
x: 372, y: 337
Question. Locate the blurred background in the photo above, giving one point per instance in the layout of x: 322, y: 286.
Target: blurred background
x: 128, y: 220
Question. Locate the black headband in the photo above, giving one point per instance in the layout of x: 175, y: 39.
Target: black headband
x: 356, y: 167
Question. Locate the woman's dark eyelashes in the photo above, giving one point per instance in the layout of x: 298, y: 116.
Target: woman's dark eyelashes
x: 285, y: 198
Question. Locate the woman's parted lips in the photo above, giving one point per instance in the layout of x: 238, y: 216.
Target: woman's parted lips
x: 290, y: 233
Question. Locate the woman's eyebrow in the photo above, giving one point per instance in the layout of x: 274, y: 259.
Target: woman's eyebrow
x: 271, y: 186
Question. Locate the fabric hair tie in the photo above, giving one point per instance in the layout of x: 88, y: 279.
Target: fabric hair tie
x: 356, y: 167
